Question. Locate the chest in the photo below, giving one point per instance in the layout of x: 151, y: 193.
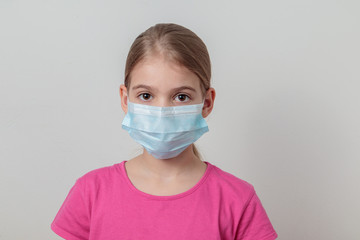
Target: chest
x: 184, y: 218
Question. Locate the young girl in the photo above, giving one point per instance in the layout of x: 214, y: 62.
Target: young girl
x: 167, y: 192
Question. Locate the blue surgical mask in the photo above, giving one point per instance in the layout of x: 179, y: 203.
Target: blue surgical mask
x: 165, y: 131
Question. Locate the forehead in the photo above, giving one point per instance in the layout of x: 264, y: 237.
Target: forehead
x: 164, y: 74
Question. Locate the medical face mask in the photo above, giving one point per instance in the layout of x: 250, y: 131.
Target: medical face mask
x: 165, y: 131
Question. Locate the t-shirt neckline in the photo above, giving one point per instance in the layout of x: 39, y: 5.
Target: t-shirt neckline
x: 170, y: 197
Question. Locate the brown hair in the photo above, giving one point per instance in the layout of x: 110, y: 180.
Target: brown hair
x: 177, y: 43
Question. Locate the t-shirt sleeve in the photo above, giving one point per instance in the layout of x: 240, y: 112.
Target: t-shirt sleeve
x: 254, y: 223
x: 72, y: 222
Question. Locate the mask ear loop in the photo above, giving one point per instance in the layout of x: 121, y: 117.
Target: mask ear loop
x: 203, y: 102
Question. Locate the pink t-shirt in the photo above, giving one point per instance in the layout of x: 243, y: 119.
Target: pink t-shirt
x: 104, y: 205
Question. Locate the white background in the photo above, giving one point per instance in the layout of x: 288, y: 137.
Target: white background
x: 286, y: 116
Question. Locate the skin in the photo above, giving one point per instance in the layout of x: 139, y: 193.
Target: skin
x: 158, y: 81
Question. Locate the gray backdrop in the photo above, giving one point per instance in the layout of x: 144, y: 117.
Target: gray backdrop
x: 286, y: 116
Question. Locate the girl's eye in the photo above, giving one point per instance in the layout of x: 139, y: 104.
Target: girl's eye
x: 145, y: 96
x: 182, y: 98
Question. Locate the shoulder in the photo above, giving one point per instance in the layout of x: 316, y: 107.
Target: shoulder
x: 232, y: 185
x: 230, y: 180
x: 101, y: 175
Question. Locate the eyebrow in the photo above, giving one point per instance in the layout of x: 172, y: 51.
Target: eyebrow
x: 184, y: 88
x: 141, y: 86
x: 174, y: 89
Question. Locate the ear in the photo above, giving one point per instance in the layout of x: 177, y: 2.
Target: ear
x: 208, y: 102
x: 124, y: 98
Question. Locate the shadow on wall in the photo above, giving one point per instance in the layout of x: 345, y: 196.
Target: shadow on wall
x: 303, y: 139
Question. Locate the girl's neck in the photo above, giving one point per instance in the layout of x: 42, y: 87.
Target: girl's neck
x: 169, y: 169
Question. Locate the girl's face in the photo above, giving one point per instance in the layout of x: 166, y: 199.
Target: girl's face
x: 159, y: 82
